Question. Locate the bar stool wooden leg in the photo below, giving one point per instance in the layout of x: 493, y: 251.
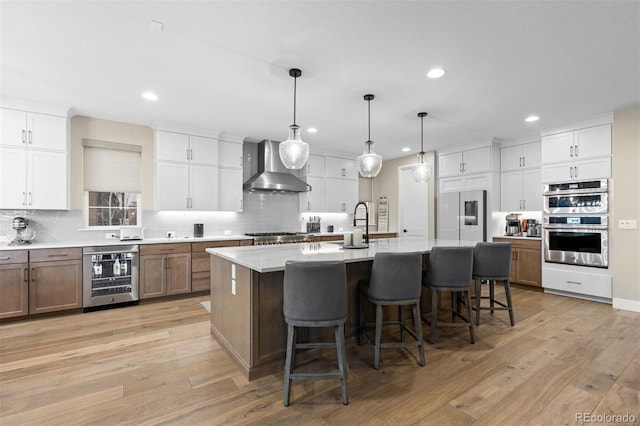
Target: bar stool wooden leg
x: 492, y: 294
x: 434, y: 314
x: 376, y: 363
x: 468, y: 299
x: 288, y: 366
x: 417, y: 323
x: 478, y: 300
x: 343, y: 366
x: 507, y: 291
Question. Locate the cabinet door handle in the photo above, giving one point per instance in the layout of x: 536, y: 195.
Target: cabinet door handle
x: 520, y: 159
x: 524, y: 161
x: 30, y: 137
x: 524, y: 204
x: 575, y: 150
x: 23, y: 137
x: 308, y: 169
x: 30, y: 199
x: 26, y: 275
x: 571, y: 151
x: 24, y: 198
x: 570, y: 171
x: 308, y: 206
x: 460, y: 167
x: 33, y: 274
x: 575, y: 172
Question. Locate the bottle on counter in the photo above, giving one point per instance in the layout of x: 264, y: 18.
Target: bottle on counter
x: 116, y: 267
x: 123, y: 267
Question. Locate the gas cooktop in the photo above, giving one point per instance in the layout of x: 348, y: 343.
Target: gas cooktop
x: 261, y: 238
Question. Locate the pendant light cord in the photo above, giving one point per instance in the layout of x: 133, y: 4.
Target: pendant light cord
x: 295, y: 79
x: 421, y: 135
x: 369, y: 119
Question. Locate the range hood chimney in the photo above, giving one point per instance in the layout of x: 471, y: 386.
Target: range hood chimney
x: 272, y: 175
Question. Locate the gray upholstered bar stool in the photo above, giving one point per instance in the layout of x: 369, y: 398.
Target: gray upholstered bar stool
x: 450, y: 269
x: 315, y: 295
x: 395, y: 280
x: 491, y: 263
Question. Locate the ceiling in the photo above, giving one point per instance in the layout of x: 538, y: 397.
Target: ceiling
x: 223, y: 65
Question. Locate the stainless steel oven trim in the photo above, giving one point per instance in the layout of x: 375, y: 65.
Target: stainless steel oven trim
x: 603, y: 208
x: 87, y: 299
x: 598, y: 260
x: 604, y: 187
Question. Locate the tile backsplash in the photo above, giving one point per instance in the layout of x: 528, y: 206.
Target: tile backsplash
x: 263, y: 212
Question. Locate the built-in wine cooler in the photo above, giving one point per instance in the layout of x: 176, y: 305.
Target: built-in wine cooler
x: 110, y: 275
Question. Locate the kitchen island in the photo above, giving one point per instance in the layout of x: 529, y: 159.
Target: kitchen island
x: 246, y: 294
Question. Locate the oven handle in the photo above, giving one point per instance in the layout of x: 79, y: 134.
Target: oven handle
x: 576, y: 191
x: 570, y: 228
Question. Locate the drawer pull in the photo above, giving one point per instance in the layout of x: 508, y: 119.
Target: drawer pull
x: 59, y: 255
x: 574, y: 282
x: 5, y: 258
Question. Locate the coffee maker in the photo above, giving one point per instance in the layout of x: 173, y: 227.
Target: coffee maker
x: 513, y: 226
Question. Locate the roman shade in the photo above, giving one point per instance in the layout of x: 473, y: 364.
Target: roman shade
x: 111, y: 166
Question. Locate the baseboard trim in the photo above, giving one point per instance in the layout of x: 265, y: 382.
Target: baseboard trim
x: 626, y: 304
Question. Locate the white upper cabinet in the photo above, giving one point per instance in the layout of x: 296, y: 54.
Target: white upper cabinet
x: 341, y: 196
x: 34, y: 161
x: 577, y: 145
x: 38, y: 131
x: 314, y: 200
x: 337, y: 167
x: 577, y: 155
x: 315, y: 166
x: 230, y: 190
x: 521, y: 190
x: 195, y: 172
x: 203, y: 150
x: 465, y: 162
x: 230, y: 154
x: 186, y: 149
x: 519, y: 157
x: 172, y: 147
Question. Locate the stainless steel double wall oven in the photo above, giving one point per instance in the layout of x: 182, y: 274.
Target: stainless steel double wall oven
x: 576, y: 223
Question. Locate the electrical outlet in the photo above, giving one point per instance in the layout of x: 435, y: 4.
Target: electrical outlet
x: 627, y: 224
x: 171, y: 234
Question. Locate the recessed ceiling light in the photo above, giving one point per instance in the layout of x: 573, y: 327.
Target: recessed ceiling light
x: 532, y: 118
x: 312, y: 130
x: 150, y: 96
x: 156, y: 26
x: 406, y: 149
x: 436, y: 73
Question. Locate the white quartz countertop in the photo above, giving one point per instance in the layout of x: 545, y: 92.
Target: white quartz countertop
x: 273, y: 257
x: 117, y: 242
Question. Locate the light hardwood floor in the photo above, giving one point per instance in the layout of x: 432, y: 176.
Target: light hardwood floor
x: 157, y: 364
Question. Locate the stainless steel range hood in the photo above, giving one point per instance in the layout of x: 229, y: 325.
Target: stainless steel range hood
x: 272, y: 175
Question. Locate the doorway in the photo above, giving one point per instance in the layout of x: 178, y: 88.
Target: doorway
x: 413, y: 205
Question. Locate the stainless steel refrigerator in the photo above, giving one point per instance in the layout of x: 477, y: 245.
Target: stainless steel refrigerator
x: 462, y: 216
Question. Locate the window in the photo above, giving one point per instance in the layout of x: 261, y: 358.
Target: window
x: 112, y: 208
x: 111, y: 184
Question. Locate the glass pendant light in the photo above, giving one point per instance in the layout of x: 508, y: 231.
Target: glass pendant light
x: 369, y: 163
x: 294, y: 153
x: 421, y: 172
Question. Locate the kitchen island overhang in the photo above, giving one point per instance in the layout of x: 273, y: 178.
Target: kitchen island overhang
x: 246, y: 294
